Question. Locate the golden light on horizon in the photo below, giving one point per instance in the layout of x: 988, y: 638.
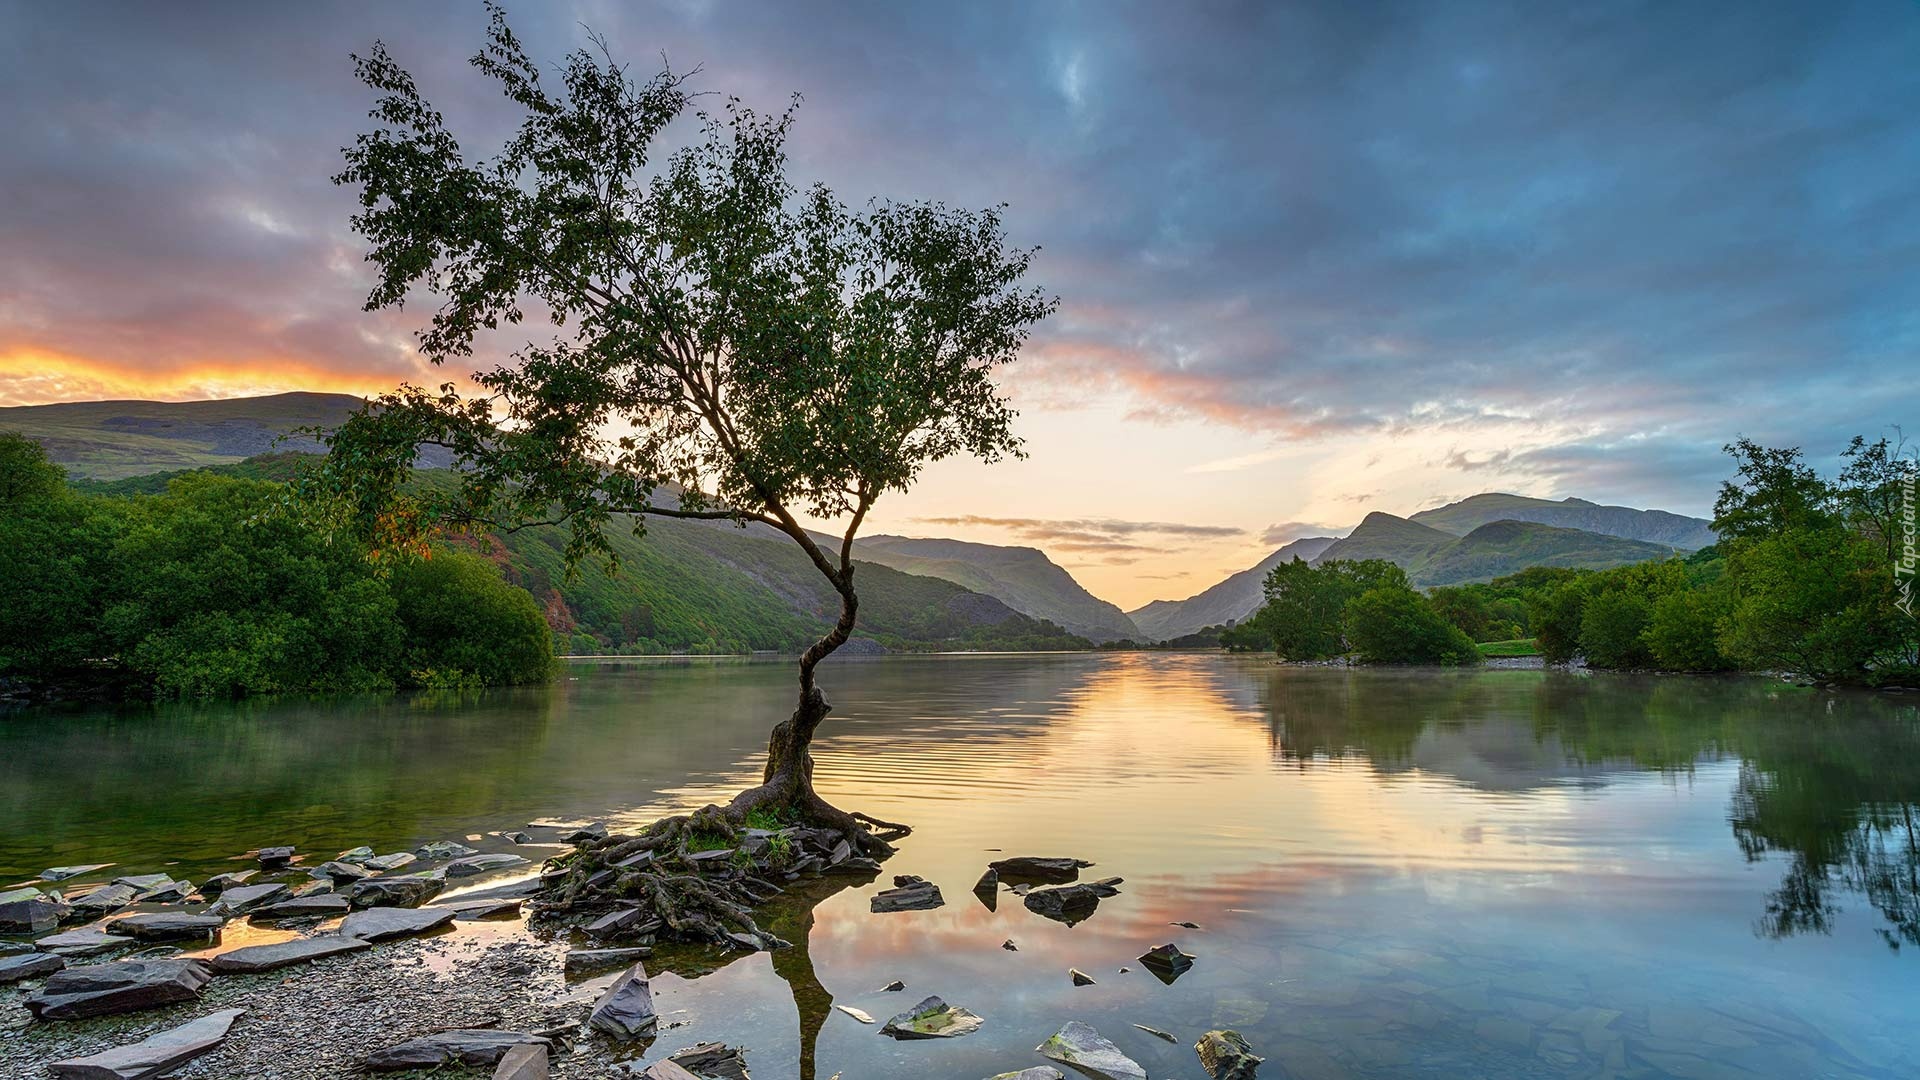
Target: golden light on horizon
x: 33, y: 376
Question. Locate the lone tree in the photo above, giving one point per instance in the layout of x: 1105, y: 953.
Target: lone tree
x: 726, y: 344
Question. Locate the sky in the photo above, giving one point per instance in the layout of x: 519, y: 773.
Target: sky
x: 1313, y: 260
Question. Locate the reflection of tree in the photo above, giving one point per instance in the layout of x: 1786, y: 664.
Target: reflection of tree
x: 1829, y: 781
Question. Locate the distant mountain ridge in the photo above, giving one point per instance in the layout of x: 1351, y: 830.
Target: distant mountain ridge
x: 1432, y: 557
x: 111, y: 440
x: 1023, y: 578
x: 1229, y: 601
x: 1651, y: 526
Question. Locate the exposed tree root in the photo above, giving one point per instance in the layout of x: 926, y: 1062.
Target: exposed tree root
x: 697, y: 877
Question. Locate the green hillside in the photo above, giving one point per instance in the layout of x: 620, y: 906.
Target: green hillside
x: 1651, y: 526
x: 1431, y: 557
x: 1021, y: 577
x: 109, y: 440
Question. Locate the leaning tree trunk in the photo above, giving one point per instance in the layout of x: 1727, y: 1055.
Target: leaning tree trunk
x: 788, y: 779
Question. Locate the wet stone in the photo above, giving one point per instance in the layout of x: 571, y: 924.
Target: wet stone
x: 240, y: 899
x: 470, y: 865
x: 341, y: 872
x: 626, y: 1010
x: 1039, y: 870
x: 932, y: 1018
x: 86, y: 941
x: 303, y: 907
x: 36, y: 916
x: 473, y: 910
x: 171, y: 892
x: 218, y: 884
x: 1166, y: 962
x: 1038, y: 1072
x: 140, y: 883
x: 528, y: 1061
x: 444, y: 849
x: 168, y: 926
x: 407, y: 890
x: 384, y: 863
x: 126, y: 986
x: 273, y: 858
x: 28, y: 965
x: 1227, y: 1056
x: 1080, y: 1048
x: 62, y: 873
x: 916, y: 895
x: 383, y: 923
x: 101, y: 901
x: 355, y: 855
x: 585, y: 961
x: 1080, y: 978
x: 586, y: 833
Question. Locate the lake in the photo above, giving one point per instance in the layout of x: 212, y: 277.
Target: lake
x: 1395, y: 873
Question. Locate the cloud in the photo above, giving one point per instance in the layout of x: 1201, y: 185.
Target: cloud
x: 1466, y: 462
x: 1287, y: 532
x: 1088, y: 533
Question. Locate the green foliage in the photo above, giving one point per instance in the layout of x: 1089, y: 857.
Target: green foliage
x: 1306, y: 604
x: 460, y: 615
x: 1515, y: 647
x: 1684, y: 629
x: 1246, y: 636
x: 1392, y: 624
x: 1612, y: 625
x: 1816, y: 600
x: 202, y: 591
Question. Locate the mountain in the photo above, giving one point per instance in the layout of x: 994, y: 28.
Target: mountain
x: 1230, y: 601
x: 1383, y: 536
x: 109, y: 440
x: 1652, y: 526
x: 1021, y: 577
x: 1432, y: 557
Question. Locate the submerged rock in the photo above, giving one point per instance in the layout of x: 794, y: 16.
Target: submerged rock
x: 218, y: 884
x: 171, y: 892
x: 470, y: 910
x: 86, y: 941
x: 626, y: 1010
x: 304, y: 907
x: 517, y: 837
x: 916, y: 895
x: 586, y: 833
x: 1039, y: 871
x: 342, y: 872
x: 355, y: 855
x: 382, y: 923
x: 274, y: 858
x: 461, y: 1046
x: 406, y: 890
x: 100, y: 989
x: 29, y: 965
x: 154, y: 1055
x: 101, y: 901
x: 932, y: 1019
x: 1227, y: 1056
x: 254, y: 958
x: 1038, y: 1072
x: 168, y: 926
x: 1155, y: 1032
x: 1082, y: 1049
x: 444, y: 849
x: 384, y: 863
x: 140, y: 883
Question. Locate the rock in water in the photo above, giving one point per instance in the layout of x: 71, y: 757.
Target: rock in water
x: 1226, y: 1056
x: 1080, y: 978
x: 153, y: 1055
x: 914, y: 896
x: 1038, y: 1072
x: 102, y: 901
x: 932, y: 1019
x: 1155, y: 1032
x: 1070, y: 904
x: 380, y: 924
x: 485, y: 909
x: 62, y: 873
x: 355, y: 855
x: 384, y: 863
x: 586, y: 834
x: 253, y: 958
x: 167, y: 926
x: 100, y: 989
x: 1166, y: 962
x: 407, y: 890
x: 528, y: 1061
x: 274, y: 858
x: 140, y: 883
x: 301, y: 907
x: 219, y: 883
x: 1080, y: 1048
x: 344, y: 873
x: 444, y: 849
x: 582, y: 961
x: 461, y: 1046
x: 85, y: 941
x: 240, y: 899
x: 713, y: 1061
x: 858, y: 1014
x: 1039, y: 871
x: 469, y: 865
x: 29, y: 965
x: 626, y: 1010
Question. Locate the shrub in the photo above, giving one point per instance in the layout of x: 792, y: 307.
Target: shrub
x: 1611, y: 629
x: 1395, y: 625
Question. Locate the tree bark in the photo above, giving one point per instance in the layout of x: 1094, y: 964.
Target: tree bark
x: 788, y: 779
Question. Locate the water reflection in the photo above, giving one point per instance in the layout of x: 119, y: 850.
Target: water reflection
x: 1396, y: 873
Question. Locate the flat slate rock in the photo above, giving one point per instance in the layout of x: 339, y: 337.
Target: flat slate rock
x: 28, y: 965
x: 167, y: 926
x: 379, y: 924
x: 485, y: 909
x: 915, y: 896
x: 580, y: 961
x: 240, y: 899
x: 171, y: 892
x: 219, y: 883
x: 1166, y: 962
x: 406, y: 890
x: 932, y: 1019
x: 321, y: 905
x: 469, y: 865
x: 62, y: 873
x: 461, y: 1046
x: 1070, y: 904
x: 273, y: 858
x: 444, y: 849
x: 712, y: 1061
x: 154, y: 1055
x: 1038, y: 1072
x: 255, y: 958
x: 33, y: 916
x: 105, y: 899
x: 1226, y: 1056
x: 528, y: 1061
x: 342, y: 873
x: 1082, y: 1049
x: 86, y: 941
x: 626, y: 1009
x: 100, y: 989
x: 142, y: 882
x: 384, y: 863
x: 512, y: 890
x: 1038, y: 870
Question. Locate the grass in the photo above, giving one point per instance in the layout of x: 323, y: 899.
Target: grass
x: 1516, y: 647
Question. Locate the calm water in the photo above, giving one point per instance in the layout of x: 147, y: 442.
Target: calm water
x: 1397, y: 874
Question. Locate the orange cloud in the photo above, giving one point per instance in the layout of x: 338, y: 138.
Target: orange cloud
x: 34, y: 376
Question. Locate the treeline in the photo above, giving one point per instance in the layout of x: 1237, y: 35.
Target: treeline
x: 1811, y: 576
x: 204, y: 590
